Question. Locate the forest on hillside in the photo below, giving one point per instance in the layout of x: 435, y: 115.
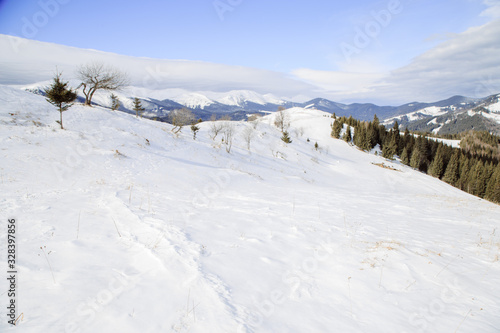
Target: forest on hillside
x: 473, y: 168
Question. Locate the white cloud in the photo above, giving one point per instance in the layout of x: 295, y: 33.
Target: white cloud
x: 493, y: 10
x: 344, y: 82
x: 26, y: 61
x: 466, y: 64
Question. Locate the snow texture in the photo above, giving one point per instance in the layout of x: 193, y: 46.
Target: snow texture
x: 146, y: 231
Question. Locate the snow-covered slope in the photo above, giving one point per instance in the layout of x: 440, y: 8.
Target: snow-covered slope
x: 495, y: 106
x: 124, y: 227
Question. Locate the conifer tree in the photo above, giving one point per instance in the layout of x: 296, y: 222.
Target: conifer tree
x: 416, y: 159
x: 360, y: 137
x: 390, y: 147
x: 195, y: 130
x: 138, y: 107
x: 376, y: 122
x: 493, y: 189
x: 115, y: 102
x: 347, y: 135
x: 337, y: 128
x: 436, y: 168
x: 60, y: 95
x: 372, y: 135
x: 478, y: 181
x: 286, y: 137
x: 405, y: 159
x: 422, y: 146
x: 397, y: 138
x: 465, y: 168
x: 451, y: 174
x: 407, y: 135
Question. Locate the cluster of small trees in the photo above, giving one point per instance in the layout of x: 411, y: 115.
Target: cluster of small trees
x: 478, y: 174
x: 226, y: 128
x: 94, y: 76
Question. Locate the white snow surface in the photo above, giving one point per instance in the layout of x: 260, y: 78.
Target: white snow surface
x: 417, y: 115
x: 239, y: 97
x: 451, y: 143
x: 495, y: 107
x: 148, y: 232
x: 193, y: 100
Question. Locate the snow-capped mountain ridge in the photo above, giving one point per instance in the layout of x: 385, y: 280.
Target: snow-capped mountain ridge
x: 464, y: 114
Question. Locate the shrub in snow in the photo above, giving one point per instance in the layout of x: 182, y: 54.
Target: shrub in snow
x: 59, y: 95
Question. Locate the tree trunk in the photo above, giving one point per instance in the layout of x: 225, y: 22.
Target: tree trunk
x: 91, y: 94
x: 86, y: 93
x: 60, y: 112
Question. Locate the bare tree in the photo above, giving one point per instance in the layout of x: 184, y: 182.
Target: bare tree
x: 281, y: 121
x: 217, y: 125
x: 254, y: 120
x: 228, y: 130
x: 180, y: 118
x: 96, y: 76
x: 248, y: 134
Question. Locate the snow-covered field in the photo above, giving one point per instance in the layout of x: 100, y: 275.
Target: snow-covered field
x: 123, y: 227
x: 449, y: 142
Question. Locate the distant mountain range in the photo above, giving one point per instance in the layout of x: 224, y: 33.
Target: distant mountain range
x: 453, y: 115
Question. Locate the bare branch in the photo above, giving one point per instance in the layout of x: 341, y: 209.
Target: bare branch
x: 248, y: 134
x: 180, y: 118
x: 228, y: 130
x: 96, y: 76
x: 217, y: 125
x: 282, y: 121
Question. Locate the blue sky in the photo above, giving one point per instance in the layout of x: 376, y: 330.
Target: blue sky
x: 308, y: 40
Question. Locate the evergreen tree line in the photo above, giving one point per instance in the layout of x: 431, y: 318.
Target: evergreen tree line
x: 478, y: 174
x: 480, y: 143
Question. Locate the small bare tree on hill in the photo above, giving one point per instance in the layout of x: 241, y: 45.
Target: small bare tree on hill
x: 281, y: 121
x: 217, y: 125
x: 228, y: 130
x: 248, y: 134
x: 96, y: 76
x: 180, y: 118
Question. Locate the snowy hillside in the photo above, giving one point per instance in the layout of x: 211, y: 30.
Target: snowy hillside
x: 123, y: 227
